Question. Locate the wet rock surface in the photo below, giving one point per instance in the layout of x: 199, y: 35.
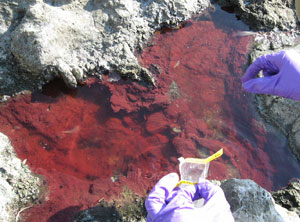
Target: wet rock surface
x: 281, y: 112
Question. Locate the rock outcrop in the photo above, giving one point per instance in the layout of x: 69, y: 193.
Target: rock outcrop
x: 289, y: 197
x: 18, y: 187
x: 250, y: 202
x: 76, y: 39
x: 263, y: 15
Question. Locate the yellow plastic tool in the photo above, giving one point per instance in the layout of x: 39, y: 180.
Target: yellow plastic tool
x: 200, y: 161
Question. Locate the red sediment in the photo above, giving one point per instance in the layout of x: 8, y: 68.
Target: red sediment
x: 157, y: 123
x: 95, y: 142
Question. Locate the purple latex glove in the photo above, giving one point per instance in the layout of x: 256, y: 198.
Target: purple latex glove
x: 281, y: 75
x: 166, y: 204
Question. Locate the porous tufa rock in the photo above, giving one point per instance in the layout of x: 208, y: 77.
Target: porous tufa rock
x: 69, y: 39
x: 48, y: 37
x: 19, y: 188
x: 264, y: 15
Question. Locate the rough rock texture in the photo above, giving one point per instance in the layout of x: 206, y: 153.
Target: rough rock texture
x: 12, y: 79
x: 264, y: 15
x: 18, y: 187
x: 48, y: 37
x: 90, y: 37
x: 132, y: 209
x: 289, y: 197
x: 73, y: 39
x: 250, y: 202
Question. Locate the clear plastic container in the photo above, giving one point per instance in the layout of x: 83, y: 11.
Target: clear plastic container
x: 192, y: 169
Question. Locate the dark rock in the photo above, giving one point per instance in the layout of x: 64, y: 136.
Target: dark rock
x: 289, y: 197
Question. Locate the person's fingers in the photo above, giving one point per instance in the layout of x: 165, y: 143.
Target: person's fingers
x: 157, y: 197
x: 264, y: 85
x: 180, y: 205
x: 270, y: 70
x: 204, y: 189
x: 270, y: 65
x: 278, y: 59
x: 217, y: 207
x: 254, y: 69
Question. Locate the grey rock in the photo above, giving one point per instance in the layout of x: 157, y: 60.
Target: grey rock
x: 75, y: 39
x: 48, y: 37
x: 284, y: 114
x: 6, y: 203
x: 19, y: 188
x: 273, y: 41
x: 280, y: 111
x: 264, y: 15
x: 11, y: 78
x: 69, y: 39
x: 250, y: 202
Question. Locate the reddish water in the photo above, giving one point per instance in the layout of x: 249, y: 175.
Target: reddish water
x: 105, y: 138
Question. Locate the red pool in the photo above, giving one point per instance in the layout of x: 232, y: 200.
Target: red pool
x: 104, y: 138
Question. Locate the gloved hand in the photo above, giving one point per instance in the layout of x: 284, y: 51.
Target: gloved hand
x: 281, y: 75
x: 166, y: 204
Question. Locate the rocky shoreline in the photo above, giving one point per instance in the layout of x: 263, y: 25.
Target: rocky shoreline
x: 101, y: 38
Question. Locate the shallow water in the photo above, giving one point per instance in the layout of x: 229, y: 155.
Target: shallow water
x: 105, y: 138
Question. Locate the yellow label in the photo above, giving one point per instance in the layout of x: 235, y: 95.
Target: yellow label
x: 214, y: 156
x: 207, y: 160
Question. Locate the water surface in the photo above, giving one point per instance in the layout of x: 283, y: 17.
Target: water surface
x: 106, y: 138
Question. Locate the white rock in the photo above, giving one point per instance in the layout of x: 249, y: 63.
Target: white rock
x: 14, y: 193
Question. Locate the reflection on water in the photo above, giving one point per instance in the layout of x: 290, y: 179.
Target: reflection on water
x: 104, y: 138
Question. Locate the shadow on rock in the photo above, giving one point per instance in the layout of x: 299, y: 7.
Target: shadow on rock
x: 58, y: 2
x: 61, y: 216
x: 101, y: 213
